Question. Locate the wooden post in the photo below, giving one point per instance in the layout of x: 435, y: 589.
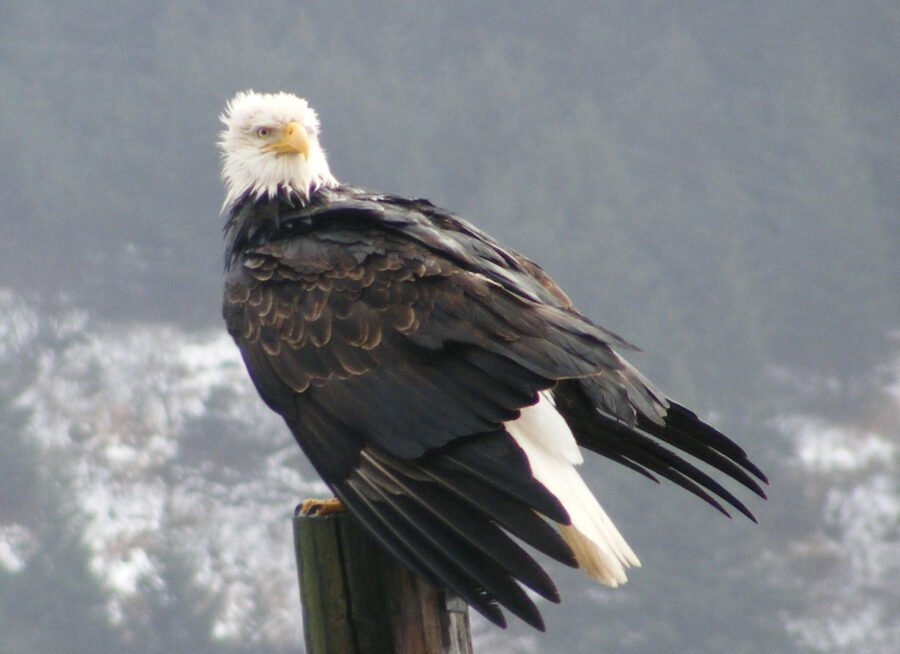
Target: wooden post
x: 358, y: 600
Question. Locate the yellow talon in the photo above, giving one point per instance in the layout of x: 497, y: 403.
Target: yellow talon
x: 320, y: 507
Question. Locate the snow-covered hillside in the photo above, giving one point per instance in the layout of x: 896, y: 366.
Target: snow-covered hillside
x: 179, y: 484
x: 161, y: 452
x: 851, y: 602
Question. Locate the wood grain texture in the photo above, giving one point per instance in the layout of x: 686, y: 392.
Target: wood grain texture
x: 358, y: 600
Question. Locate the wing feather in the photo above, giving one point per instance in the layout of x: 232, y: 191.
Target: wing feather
x: 396, y: 340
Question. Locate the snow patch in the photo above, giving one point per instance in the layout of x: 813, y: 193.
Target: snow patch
x: 173, y: 472
x: 854, y: 470
x: 822, y: 447
x: 17, y: 544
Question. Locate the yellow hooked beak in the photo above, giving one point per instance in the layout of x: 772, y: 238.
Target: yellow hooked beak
x: 293, y: 141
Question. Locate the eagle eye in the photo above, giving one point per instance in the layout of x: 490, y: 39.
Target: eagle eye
x: 263, y: 132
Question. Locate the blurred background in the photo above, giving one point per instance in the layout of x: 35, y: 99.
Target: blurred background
x: 716, y: 181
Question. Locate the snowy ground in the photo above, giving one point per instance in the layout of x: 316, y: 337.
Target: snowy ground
x: 165, y: 459
x: 852, y: 603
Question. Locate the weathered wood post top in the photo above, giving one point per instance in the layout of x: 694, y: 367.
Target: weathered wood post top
x: 357, y: 599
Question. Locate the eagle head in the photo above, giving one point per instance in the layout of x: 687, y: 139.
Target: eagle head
x: 270, y: 147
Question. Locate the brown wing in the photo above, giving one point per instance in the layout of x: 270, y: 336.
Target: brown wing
x: 396, y: 340
x: 395, y: 369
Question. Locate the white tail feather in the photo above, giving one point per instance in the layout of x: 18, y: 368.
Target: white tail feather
x: 553, y: 453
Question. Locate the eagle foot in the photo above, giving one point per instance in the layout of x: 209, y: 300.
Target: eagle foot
x: 320, y: 507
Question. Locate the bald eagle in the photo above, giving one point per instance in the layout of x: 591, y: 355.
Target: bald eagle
x: 442, y: 385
